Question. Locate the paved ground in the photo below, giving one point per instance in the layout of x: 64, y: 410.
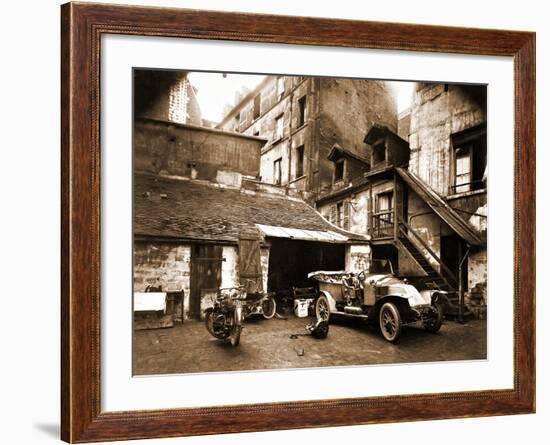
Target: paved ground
x: 266, y: 344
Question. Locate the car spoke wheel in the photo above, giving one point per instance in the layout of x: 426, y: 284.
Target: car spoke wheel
x: 390, y: 322
x: 322, y: 308
x: 434, y: 322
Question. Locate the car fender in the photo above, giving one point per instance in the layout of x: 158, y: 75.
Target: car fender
x: 440, y: 297
x: 331, y: 300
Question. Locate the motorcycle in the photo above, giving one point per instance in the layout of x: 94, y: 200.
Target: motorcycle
x: 224, y: 320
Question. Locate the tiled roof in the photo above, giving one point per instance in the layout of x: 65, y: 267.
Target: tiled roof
x: 184, y: 209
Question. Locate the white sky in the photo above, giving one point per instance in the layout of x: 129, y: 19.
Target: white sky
x: 215, y: 91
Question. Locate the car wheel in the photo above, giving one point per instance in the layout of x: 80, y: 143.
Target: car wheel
x: 390, y: 322
x: 322, y: 308
x: 434, y: 322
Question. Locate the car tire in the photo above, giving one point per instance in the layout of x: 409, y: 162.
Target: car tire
x: 322, y: 308
x: 390, y: 322
x: 434, y: 323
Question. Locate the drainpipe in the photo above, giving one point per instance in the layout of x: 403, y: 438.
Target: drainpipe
x: 460, y: 285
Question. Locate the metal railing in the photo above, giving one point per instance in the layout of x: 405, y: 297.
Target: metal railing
x: 466, y: 187
x: 445, y: 272
x: 382, y: 224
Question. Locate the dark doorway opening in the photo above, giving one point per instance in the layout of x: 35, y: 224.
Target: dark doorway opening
x: 206, y: 274
x: 291, y: 260
x: 453, y: 249
x: 387, y: 252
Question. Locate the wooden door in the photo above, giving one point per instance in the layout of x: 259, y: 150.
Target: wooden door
x: 250, y: 266
x: 206, y: 274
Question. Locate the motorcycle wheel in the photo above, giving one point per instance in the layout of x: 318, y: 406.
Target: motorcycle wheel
x: 269, y: 307
x: 235, y: 336
x: 215, y: 325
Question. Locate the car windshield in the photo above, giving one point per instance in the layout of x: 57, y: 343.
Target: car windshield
x: 381, y: 267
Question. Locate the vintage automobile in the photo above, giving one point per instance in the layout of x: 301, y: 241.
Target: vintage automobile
x: 378, y: 296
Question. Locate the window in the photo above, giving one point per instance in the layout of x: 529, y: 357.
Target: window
x: 339, y: 170
x: 470, y: 161
x: 302, y: 111
x: 340, y: 214
x: 280, y: 87
x: 257, y: 133
x: 463, y: 168
x: 277, y: 173
x: 383, y: 217
x: 299, y: 161
x: 279, y: 127
x: 237, y: 121
x: 385, y: 202
x: 378, y: 153
x: 257, y: 103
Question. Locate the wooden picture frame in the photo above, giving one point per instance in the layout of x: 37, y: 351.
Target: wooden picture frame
x: 82, y: 26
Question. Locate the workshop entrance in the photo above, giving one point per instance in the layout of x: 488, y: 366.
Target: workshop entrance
x: 290, y: 261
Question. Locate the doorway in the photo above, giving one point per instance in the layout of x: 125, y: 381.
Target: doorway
x: 206, y: 274
x: 453, y: 249
x: 290, y: 261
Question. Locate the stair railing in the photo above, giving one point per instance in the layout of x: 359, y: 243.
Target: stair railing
x: 410, y: 230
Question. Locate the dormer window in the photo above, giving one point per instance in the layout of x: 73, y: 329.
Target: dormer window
x: 339, y: 170
x: 379, y: 153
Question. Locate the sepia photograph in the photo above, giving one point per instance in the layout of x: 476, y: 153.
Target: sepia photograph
x: 285, y: 221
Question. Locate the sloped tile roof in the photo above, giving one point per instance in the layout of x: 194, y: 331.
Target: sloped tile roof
x: 184, y: 209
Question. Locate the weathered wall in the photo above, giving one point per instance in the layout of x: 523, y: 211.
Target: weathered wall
x: 437, y: 112
x: 230, y: 266
x: 358, y: 257
x: 162, y: 147
x: 348, y: 108
x: 165, y: 95
x: 404, y: 124
x: 163, y: 264
x: 476, y: 297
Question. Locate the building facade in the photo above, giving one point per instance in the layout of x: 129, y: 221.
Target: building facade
x: 203, y: 219
x: 166, y: 95
x: 423, y: 202
x: 303, y: 118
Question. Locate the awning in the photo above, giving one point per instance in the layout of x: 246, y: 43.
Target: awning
x: 302, y: 234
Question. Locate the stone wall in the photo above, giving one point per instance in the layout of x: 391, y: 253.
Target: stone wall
x: 165, y: 265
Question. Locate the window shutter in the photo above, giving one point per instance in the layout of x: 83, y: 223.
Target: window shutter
x: 346, y: 215
x: 333, y: 211
x: 250, y: 265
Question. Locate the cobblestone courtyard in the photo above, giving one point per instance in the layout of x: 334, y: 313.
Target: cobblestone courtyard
x: 267, y: 344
